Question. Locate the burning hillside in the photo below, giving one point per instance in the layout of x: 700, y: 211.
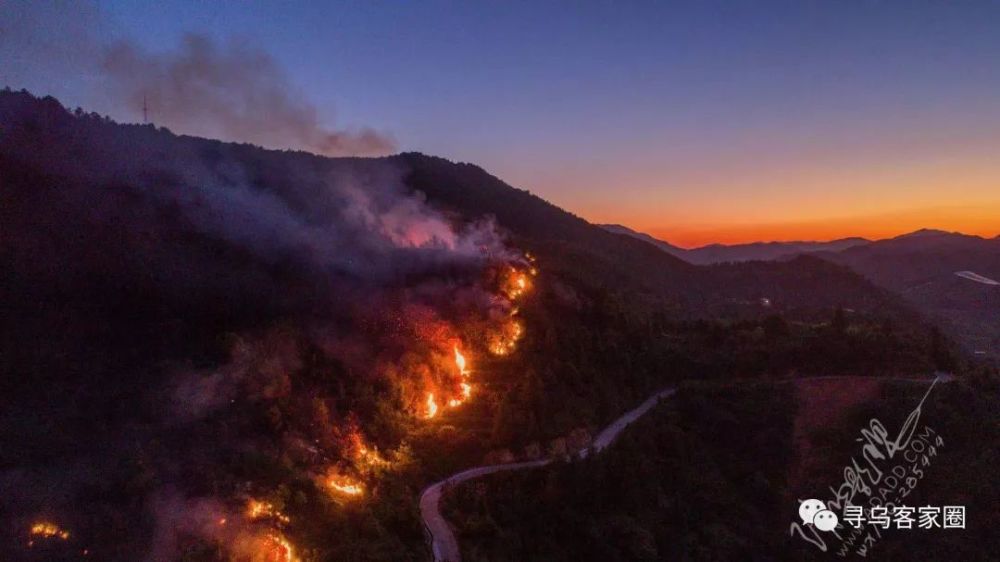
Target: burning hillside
x: 269, y: 330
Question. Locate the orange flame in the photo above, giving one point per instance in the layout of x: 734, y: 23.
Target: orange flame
x: 514, y: 283
x: 257, y: 509
x: 47, y: 530
x: 278, y: 549
x: 345, y: 485
x: 369, y: 457
x: 460, y: 362
x: 432, y: 407
x: 364, y: 456
x: 504, y: 343
x: 517, y: 283
x: 463, y: 371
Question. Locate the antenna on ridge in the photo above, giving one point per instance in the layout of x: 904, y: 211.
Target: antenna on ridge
x: 145, y: 109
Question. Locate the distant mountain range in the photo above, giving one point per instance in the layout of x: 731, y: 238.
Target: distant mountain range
x: 720, y: 253
x: 948, y: 275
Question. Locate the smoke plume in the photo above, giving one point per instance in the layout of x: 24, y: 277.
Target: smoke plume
x: 236, y: 92
x: 232, y: 90
x: 176, y: 305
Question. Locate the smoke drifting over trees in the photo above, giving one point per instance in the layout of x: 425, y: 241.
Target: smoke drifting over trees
x: 233, y: 91
x: 227, y: 299
x: 236, y: 92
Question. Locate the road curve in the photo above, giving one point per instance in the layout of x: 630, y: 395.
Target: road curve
x: 973, y: 276
x: 442, y: 540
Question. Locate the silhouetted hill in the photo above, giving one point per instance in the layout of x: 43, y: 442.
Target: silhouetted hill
x: 665, y: 246
x: 947, y: 275
x: 720, y: 253
x: 564, y: 241
x: 922, y: 267
x: 911, y: 259
x: 716, y: 253
x: 63, y: 144
x: 625, y: 263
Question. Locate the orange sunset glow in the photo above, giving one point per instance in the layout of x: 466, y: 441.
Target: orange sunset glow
x: 813, y: 179
x: 975, y: 220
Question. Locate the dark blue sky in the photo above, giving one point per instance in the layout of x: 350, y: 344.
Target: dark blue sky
x: 682, y: 118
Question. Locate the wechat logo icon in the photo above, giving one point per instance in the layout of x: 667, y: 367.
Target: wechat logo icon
x: 814, y: 513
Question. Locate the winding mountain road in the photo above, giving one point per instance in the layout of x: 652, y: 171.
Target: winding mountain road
x: 440, y: 536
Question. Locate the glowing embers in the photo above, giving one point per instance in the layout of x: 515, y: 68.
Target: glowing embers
x: 505, y: 341
x: 45, y: 530
x: 365, y: 456
x: 516, y: 283
x: 257, y: 510
x: 342, y: 481
x: 274, y: 547
x: 369, y: 458
x: 345, y: 485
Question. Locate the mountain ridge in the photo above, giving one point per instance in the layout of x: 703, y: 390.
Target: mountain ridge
x: 938, y: 272
x: 464, y: 191
x: 720, y: 253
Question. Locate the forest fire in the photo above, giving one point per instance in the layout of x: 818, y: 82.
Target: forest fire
x: 506, y: 341
x: 46, y: 530
x: 369, y: 457
x: 432, y: 407
x: 498, y: 348
x: 263, y: 510
x: 466, y: 394
x: 345, y: 485
x: 463, y: 372
x: 517, y: 284
x: 276, y: 548
x: 512, y: 283
x: 460, y: 362
x: 308, y: 324
x: 365, y: 456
